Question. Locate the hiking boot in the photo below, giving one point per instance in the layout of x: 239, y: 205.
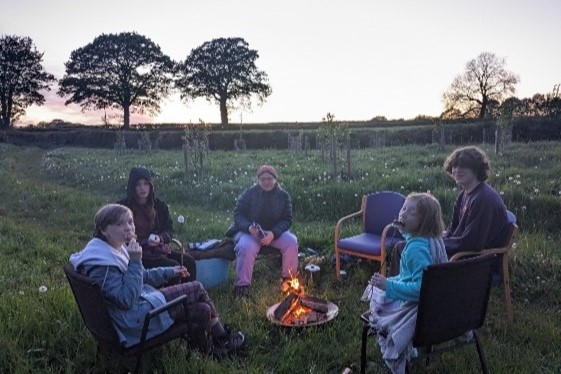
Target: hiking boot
x: 241, y: 292
x: 230, y: 343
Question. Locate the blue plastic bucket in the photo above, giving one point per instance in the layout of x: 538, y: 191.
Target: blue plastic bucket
x: 212, y: 272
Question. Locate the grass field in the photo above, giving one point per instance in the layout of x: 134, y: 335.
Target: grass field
x: 49, y: 198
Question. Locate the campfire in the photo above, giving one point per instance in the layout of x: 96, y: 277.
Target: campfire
x: 300, y: 309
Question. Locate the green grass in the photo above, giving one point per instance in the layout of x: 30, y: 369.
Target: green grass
x: 49, y: 198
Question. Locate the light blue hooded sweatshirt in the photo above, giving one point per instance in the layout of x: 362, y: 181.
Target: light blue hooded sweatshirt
x: 128, y: 288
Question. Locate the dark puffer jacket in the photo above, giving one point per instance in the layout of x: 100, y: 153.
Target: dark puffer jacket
x: 249, y: 206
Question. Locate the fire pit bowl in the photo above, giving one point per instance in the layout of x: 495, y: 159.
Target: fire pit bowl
x: 332, y: 311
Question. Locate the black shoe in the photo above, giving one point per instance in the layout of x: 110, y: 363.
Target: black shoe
x: 230, y: 343
x: 241, y: 292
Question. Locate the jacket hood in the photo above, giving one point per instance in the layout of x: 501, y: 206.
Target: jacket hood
x: 98, y: 253
x: 136, y: 174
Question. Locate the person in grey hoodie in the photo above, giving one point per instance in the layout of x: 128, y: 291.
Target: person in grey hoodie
x: 131, y: 291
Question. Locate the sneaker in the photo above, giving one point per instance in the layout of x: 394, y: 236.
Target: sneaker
x: 230, y: 343
x: 241, y: 292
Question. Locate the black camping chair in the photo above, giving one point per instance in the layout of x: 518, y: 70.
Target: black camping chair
x: 454, y: 298
x: 93, y: 309
x: 504, y: 253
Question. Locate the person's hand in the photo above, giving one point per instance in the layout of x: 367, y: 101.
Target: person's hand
x: 134, y: 250
x: 253, y: 230
x: 268, y: 238
x: 180, y: 271
x: 379, y: 281
x: 154, y: 240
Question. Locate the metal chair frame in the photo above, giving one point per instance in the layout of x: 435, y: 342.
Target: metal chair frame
x: 93, y: 309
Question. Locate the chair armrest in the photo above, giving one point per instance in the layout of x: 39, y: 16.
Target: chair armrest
x: 342, y: 220
x: 178, y: 244
x: 497, y: 251
x: 157, y: 311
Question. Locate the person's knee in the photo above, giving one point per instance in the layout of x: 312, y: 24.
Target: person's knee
x: 246, y: 250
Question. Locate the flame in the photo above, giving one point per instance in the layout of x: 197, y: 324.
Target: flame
x: 293, y: 285
x: 296, y: 310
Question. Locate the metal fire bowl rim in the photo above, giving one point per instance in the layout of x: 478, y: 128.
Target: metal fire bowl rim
x: 332, y: 311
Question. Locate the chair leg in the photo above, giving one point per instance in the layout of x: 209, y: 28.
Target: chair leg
x: 429, y: 351
x: 506, y: 288
x: 482, y: 360
x: 138, y: 366
x: 365, y: 330
x: 337, y: 264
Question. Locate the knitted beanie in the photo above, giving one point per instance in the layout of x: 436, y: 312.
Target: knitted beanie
x: 266, y: 169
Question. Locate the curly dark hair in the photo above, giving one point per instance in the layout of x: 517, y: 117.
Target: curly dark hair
x: 470, y: 157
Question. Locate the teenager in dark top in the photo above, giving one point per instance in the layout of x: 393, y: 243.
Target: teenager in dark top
x: 154, y: 226
x: 479, y: 218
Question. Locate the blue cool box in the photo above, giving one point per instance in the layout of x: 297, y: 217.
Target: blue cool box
x: 212, y: 272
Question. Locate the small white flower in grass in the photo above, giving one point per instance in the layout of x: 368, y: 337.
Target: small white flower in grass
x: 514, y: 245
x: 523, y: 207
x: 517, y: 175
x: 536, y: 190
x: 21, y: 293
x: 502, y: 193
x: 497, y: 175
x: 428, y: 191
x: 181, y: 219
x: 43, y: 289
x: 509, y: 178
x: 402, y: 187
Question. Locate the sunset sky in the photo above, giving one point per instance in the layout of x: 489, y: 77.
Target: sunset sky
x: 354, y: 58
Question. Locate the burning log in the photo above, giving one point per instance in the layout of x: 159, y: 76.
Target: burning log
x: 285, y: 306
x: 315, y: 303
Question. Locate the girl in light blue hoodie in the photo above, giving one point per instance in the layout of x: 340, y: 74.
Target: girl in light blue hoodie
x: 130, y: 290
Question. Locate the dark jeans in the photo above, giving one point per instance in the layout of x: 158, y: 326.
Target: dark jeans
x: 174, y: 259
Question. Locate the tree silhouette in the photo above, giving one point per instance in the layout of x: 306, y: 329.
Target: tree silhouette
x: 21, y: 78
x: 223, y: 71
x: 121, y: 71
x: 484, y: 80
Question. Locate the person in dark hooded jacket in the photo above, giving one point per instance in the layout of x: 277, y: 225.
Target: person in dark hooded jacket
x: 154, y: 226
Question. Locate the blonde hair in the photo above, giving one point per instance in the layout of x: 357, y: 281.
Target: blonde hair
x: 109, y: 214
x: 428, y: 208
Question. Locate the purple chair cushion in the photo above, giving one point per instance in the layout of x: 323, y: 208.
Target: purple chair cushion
x: 366, y: 243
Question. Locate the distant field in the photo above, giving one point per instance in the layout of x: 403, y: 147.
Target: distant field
x: 49, y: 197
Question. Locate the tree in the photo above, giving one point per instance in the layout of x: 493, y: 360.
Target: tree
x: 484, y: 79
x: 121, y: 71
x: 223, y: 71
x: 21, y: 78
